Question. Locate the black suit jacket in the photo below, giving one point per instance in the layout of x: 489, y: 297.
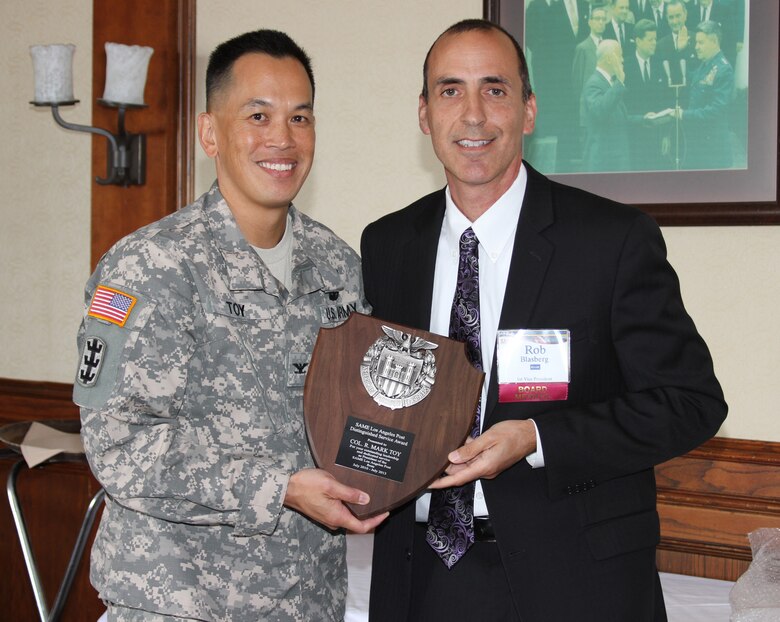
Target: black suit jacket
x: 638, y: 14
x: 645, y: 96
x: 642, y: 97
x: 628, y: 44
x: 662, y: 24
x: 576, y: 537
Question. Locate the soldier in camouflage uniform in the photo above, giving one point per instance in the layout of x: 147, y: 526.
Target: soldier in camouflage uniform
x: 194, y: 345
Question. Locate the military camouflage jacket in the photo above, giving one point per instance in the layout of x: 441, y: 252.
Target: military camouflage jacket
x: 190, y: 383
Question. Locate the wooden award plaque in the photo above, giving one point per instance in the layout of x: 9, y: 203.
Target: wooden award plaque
x: 385, y: 404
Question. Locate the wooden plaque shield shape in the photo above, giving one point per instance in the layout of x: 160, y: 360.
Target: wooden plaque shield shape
x: 384, y: 405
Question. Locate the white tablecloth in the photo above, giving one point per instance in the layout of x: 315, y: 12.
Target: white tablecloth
x: 688, y: 599
x: 695, y: 599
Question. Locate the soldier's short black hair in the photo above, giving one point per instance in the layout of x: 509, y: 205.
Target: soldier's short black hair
x: 272, y: 42
x: 483, y: 25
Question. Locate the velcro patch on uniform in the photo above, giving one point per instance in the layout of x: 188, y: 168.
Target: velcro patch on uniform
x: 111, y: 305
x: 337, y: 313
x: 92, y: 358
x: 297, y: 366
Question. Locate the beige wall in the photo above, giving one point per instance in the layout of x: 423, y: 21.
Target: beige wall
x: 44, y: 216
x: 367, y: 59
x: 371, y: 159
x: 731, y: 287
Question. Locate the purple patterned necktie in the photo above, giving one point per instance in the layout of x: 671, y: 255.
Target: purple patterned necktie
x: 451, y: 517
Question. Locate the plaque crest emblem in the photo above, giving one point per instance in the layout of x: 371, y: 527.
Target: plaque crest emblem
x: 399, y: 370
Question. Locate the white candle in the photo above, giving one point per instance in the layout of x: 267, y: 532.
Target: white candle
x: 53, y: 65
x: 126, y: 69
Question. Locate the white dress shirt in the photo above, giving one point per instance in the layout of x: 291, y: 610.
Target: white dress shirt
x: 496, y: 242
x: 644, y: 67
x: 620, y: 32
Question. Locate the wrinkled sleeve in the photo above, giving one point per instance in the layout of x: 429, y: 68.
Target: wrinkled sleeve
x: 672, y: 401
x: 138, y: 440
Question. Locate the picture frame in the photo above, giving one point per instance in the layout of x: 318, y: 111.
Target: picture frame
x: 747, y: 196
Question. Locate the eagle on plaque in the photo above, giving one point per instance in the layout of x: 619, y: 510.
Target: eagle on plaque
x: 399, y: 370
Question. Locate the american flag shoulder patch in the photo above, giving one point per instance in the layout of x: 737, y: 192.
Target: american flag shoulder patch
x: 111, y: 305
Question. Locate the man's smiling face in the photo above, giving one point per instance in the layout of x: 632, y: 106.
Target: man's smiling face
x: 475, y: 112
x: 260, y: 132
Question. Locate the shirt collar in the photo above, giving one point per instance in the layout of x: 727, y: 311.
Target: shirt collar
x: 492, y: 228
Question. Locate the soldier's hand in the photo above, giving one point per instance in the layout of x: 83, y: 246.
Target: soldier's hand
x: 318, y: 495
x: 492, y: 452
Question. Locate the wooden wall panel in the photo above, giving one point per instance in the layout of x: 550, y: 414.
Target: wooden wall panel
x: 53, y: 500
x: 168, y: 26
x: 709, y: 501
x: 25, y: 400
x: 55, y: 496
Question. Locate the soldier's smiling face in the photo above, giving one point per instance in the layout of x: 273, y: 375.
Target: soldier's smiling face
x: 260, y: 131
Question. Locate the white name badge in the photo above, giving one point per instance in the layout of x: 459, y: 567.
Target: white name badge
x: 533, y: 365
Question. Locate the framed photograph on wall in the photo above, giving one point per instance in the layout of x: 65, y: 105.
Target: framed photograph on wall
x: 659, y: 172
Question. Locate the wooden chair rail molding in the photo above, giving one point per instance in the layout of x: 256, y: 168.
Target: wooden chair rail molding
x: 710, y: 499
x: 53, y: 500
x: 168, y: 26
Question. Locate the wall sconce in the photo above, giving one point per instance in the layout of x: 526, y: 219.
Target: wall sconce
x: 125, y: 81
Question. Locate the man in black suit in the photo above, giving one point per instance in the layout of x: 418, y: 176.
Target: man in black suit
x: 657, y: 12
x: 640, y: 9
x: 677, y: 50
x: 677, y: 53
x: 646, y: 92
x: 564, y: 493
x: 618, y: 28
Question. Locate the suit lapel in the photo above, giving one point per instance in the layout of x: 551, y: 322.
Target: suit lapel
x: 530, y: 258
x: 419, y: 262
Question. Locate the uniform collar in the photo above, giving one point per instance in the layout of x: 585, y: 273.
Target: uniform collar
x: 311, y: 270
